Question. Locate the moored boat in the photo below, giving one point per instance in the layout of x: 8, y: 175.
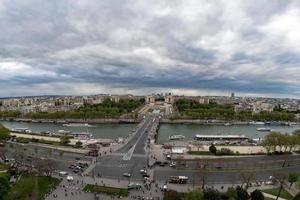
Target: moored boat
x: 263, y: 129
x: 176, y: 137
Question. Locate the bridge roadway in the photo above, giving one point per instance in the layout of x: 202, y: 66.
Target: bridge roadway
x: 114, y: 165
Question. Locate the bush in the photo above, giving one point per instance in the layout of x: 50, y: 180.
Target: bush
x: 4, y: 132
x: 107, y: 190
x: 213, y: 149
x: 257, y: 195
x: 225, y: 151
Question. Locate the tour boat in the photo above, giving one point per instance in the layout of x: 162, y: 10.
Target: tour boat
x: 77, y: 125
x: 263, y: 129
x: 176, y: 137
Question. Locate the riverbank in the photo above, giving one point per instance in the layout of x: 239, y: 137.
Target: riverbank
x: 62, y: 121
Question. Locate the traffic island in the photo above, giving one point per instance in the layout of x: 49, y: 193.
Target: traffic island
x: 107, y: 190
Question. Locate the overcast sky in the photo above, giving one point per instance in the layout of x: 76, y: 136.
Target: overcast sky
x: 138, y: 47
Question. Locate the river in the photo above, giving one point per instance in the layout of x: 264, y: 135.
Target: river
x: 113, y: 131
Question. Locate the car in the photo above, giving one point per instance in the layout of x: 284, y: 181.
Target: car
x: 127, y: 174
x: 173, y: 164
x: 162, y: 164
x: 146, y: 175
x: 134, y: 186
x: 70, y: 178
x: 169, y: 157
x: 62, y: 173
x: 143, y: 171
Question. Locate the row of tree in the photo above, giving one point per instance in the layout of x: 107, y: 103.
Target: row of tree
x: 106, y: 109
x: 193, y: 110
x: 276, y: 141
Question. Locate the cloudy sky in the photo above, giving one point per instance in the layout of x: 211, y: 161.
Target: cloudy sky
x: 123, y: 46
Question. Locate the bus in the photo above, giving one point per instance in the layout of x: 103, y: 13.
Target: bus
x: 178, y: 179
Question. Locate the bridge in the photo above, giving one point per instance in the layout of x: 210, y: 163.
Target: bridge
x: 130, y: 158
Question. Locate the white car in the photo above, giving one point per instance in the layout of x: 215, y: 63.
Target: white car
x: 143, y: 171
x: 70, y: 178
x: 127, y: 174
x: 62, y: 173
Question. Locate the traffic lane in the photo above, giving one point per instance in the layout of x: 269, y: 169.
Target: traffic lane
x: 127, y: 146
x: 115, y: 167
x: 140, y: 146
x: 219, y: 177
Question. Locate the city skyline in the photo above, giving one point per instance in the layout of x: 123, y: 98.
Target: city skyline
x: 194, y: 48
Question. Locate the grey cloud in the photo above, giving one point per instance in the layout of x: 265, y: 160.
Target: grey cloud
x: 148, y: 45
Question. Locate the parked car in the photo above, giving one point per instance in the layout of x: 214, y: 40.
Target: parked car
x: 127, y: 174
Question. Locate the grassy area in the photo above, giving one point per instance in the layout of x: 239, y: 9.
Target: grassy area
x: 203, y: 153
x: 3, y: 166
x: 274, y: 191
x: 107, y: 190
x: 31, y: 187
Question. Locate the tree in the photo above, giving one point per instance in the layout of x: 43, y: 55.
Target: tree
x: 297, y: 197
x: 257, y: 195
x: 241, y: 193
x: 172, y: 195
x: 4, y: 186
x: 45, y: 167
x: 280, y: 179
x: 4, y: 132
x: 293, y: 177
x: 247, y: 177
x: 78, y: 144
x: 64, y: 140
x: 213, y: 149
x: 210, y: 194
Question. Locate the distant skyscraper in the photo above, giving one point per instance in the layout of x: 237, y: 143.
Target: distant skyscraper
x: 232, y: 95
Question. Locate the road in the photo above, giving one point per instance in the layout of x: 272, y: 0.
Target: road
x: 114, y: 165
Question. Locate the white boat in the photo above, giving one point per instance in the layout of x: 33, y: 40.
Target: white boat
x: 22, y: 130
x: 227, y: 124
x: 77, y: 125
x: 263, y: 129
x: 176, y: 137
x: 257, y: 123
x: 63, y: 131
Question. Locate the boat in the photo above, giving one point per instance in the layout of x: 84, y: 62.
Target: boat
x: 257, y: 123
x: 227, y: 124
x: 77, y: 125
x: 176, y: 137
x: 263, y: 129
x: 63, y: 132
x: 21, y: 130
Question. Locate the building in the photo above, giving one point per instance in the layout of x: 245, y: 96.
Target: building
x: 204, y: 101
x: 150, y: 99
x: 169, y: 99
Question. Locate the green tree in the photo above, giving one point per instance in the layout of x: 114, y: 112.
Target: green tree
x: 213, y: 149
x: 78, y: 144
x: 297, y: 197
x: 257, y: 195
x: 4, y: 186
x: 4, y: 132
x: 172, y: 195
x: 64, y: 140
x: 210, y: 194
x: 293, y: 177
x: 241, y: 193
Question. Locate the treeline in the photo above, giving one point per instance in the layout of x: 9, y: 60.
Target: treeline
x: 278, y: 142
x: 106, y: 109
x: 10, y: 113
x: 190, y: 109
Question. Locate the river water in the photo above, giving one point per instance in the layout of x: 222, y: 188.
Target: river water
x: 113, y: 131
x: 190, y: 130
x: 110, y: 131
